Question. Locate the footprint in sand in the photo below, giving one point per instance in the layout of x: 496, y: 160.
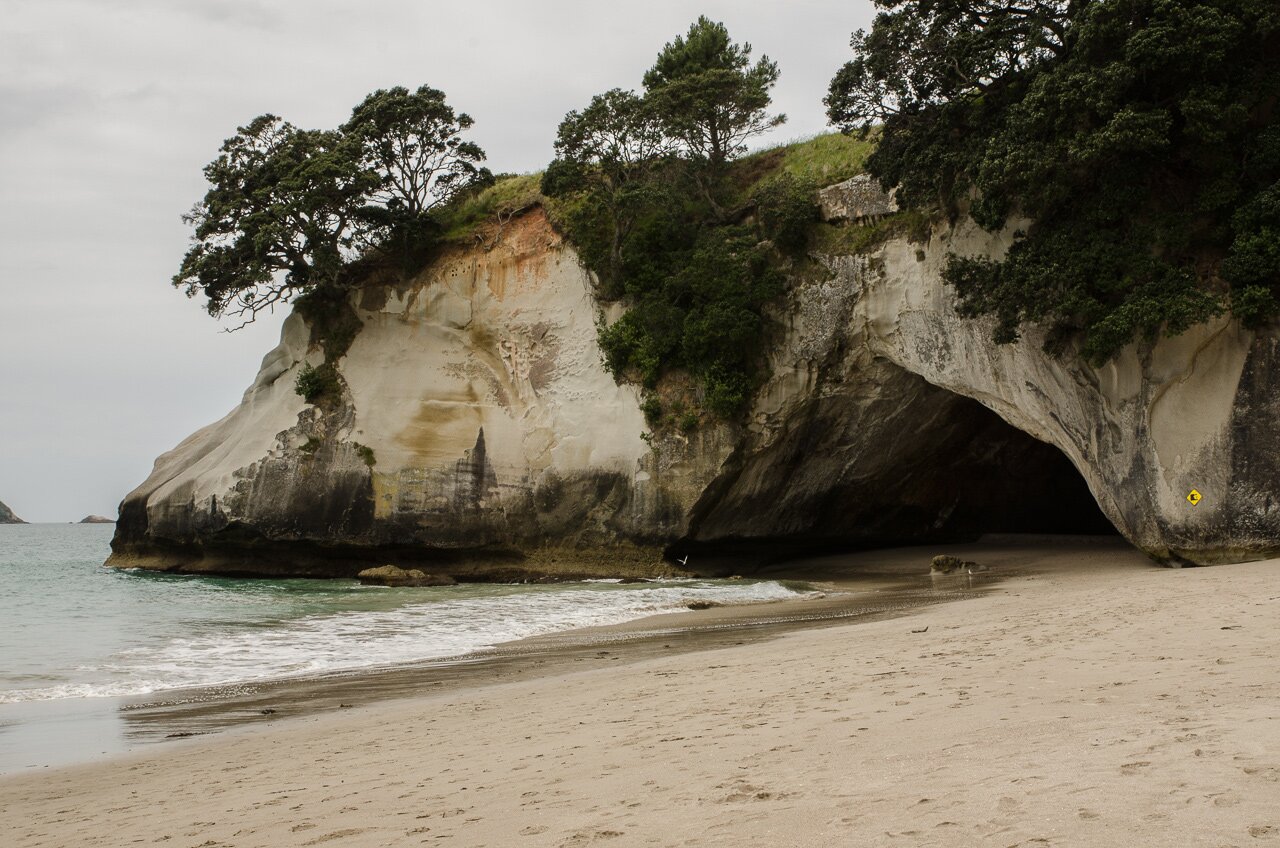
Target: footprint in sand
x: 583, y: 836
x: 336, y: 834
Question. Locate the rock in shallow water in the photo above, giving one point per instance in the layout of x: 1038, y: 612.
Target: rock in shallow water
x: 392, y: 575
x: 947, y: 564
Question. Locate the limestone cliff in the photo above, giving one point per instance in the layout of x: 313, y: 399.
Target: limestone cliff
x: 873, y: 354
x: 7, y: 516
x: 478, y: 431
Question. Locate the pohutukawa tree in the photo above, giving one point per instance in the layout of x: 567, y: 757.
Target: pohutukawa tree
x: 280, y: 217
x: 1138, y: 137
x: 610, y: 150
x: 287, y: 210
x: 413, y: 141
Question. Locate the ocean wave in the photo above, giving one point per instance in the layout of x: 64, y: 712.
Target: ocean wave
x: 445, y: 626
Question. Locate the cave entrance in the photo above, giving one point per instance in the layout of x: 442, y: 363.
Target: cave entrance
x: 888, y: 460
x: 1003, y: 480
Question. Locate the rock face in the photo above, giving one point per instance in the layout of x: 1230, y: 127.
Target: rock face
x: 7, y: 516
x: 875, y: 353
x: 858, y: 198
x: 478, y: 434
x: 390, y: 575
x: 97, y: 519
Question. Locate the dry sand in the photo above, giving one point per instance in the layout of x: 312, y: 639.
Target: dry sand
x: 1094, y: 700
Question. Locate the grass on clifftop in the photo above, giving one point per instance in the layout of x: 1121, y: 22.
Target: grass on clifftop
x: 819, y: 161
x: 508, y: 194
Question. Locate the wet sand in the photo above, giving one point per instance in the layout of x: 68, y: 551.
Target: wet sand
x: 1085, y: 698
x: 847, y: 596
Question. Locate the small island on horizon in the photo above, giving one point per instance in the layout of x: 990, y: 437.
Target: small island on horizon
x: 97, y: 519
x: 7, y: 516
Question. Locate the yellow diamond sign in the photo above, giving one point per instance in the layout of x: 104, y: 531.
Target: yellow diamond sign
x: 1193, y: 497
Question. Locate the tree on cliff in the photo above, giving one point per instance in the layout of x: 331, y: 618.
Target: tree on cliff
x: 288, y: 209
x: 709, y: 94
x: 641, y: 181
x: 608, y: 153
x: 280, y: 217
x: 413, y: 141
x: 1139, y: 137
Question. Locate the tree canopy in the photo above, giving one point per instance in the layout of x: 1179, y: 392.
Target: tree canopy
x: 279, y: 217
x: 647, y: 200
x: 413, y: 140
x: 1139, y: 137
x: 709, y: 94
x: 288, y: 209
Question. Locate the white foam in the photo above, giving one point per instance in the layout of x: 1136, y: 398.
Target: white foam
x: 344, y: 641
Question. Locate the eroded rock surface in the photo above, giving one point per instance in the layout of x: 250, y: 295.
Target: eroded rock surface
x: 864, y: 393
x: 478, y: 435
x: 391, y: 575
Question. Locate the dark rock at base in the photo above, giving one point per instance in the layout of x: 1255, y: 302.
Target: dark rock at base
x: 97, y: 519
x: 946, y: 564
x: 392, y: 575
x: 7, y: 516
x: 701, y: 605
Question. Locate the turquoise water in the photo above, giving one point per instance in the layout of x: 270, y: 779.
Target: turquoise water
x: 77, y: 640
x: 71, y: 629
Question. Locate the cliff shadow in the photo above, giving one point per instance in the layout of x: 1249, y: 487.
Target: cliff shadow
x: 908, y: 463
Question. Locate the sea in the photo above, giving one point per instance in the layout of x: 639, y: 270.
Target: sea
x: 76, y: 637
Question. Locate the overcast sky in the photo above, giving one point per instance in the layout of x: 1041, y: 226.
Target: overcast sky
x: 110, y: 108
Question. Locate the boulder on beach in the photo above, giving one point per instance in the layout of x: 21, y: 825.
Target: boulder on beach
x: 947, y: 564
x: 394, y: 575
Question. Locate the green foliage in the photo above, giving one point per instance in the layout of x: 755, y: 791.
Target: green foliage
x: 288, y: 210
x: 707, y: 93
x: 640, y: 191
x: 825, y: 159
x: 365, y: 453
x: 334, y: 324
x: 317, y: 384
x: 787, y: 210
x: 413, y: 141
x: 1139, y: 136
x: 279, y: 218
x: 652, y: 409
x: 503, y: 197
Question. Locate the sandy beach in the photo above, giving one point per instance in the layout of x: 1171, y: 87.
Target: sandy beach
x: 1087, y: 699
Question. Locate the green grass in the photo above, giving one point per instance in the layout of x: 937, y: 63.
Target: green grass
x: 820, y: 160
x: 847, y: 239
x: 510, y: 193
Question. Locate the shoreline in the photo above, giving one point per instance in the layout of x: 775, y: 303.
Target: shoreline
x: 261, y: 704
x: 67, y: 732
x: 1089, y: 698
